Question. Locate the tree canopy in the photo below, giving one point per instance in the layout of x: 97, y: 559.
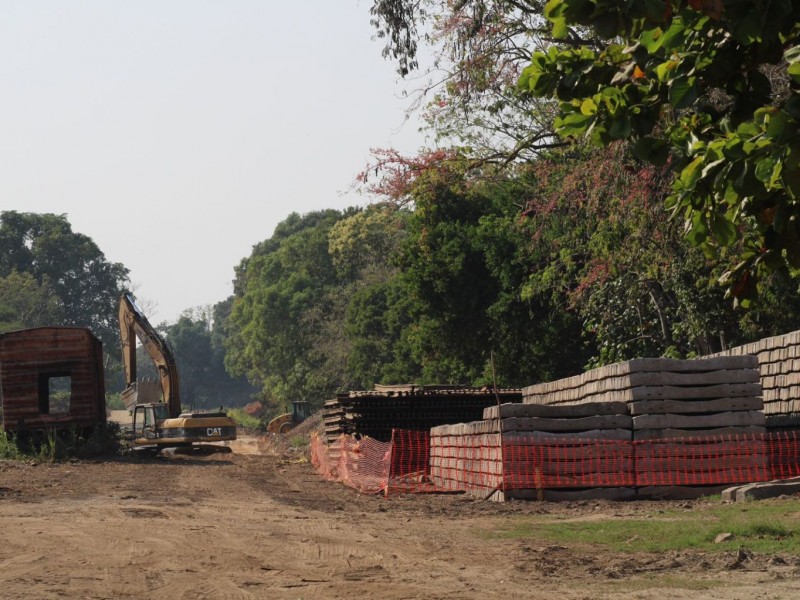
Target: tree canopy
x: 74, y: 282
x: 710, y: 86
x: 196, y: 339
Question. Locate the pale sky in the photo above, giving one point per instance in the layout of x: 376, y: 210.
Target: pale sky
x: 178, y: 133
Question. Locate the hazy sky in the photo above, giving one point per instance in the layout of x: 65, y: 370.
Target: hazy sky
x: 178, y: 133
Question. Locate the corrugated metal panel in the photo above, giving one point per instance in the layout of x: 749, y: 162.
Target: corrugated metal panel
x: 28, y: 358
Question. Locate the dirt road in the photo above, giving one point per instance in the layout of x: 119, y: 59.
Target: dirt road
x: 251, y: 526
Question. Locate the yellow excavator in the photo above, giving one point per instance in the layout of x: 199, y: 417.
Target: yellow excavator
x: 156, y: 406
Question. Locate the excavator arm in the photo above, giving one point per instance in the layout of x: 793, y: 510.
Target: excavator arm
x: 133, y: 324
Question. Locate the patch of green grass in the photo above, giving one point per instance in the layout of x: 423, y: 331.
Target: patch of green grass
x: 298, y: 441
x: 767, y: 526
x: 243, y: 419
x: 8, y: 446
x: 55, y: 445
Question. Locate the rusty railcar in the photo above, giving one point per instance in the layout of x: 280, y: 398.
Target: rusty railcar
x: 51, y: 377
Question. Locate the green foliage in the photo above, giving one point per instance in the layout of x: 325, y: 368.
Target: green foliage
x: 243, y: 419
x: 8, y: 446
x: 24, y: 302
x: 713, y: 85
x: 56, y: 445
x: 200, y: 357
x: 76, y: 284
x: 464, y: 265
x: 601, y: 242
x: 283, y: 293
x: 114, y: 401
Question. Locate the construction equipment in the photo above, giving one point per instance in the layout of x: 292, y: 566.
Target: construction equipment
x: 288, y: 421
x: 158, y: 422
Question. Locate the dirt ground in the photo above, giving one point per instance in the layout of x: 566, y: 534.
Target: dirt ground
x: 245, y: 525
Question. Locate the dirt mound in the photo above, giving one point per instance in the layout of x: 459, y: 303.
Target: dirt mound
x: 294, y: 443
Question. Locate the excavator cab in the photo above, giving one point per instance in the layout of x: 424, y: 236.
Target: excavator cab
x: 146, y: 419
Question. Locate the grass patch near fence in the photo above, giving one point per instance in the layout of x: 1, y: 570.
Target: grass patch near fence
x: 769, y: 526
x: 243, y: 419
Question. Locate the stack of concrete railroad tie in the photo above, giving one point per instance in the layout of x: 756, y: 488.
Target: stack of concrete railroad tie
x: 779, y: 365
x: 679, y: 426
x: 467, y: 457
x: 695, y: 423
x: 565, y: 452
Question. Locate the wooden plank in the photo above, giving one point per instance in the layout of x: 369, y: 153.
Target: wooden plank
x: 666, y: 434
x: 568, y: 469
x: 714, y: 477
x: 696, y: 448
x: 548, y: 451
x: 656, y: 407
x: 566, y: 495
x: 744, y: 418
x: 626, y: 368
x: 695, y: 378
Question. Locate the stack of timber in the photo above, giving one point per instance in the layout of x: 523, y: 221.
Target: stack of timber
x: 779, y: 366
x: 376, y: 413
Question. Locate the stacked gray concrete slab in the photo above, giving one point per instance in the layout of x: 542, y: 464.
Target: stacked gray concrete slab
x: 575, y: 463
x: 779, y: 365
x: 642, y: 399
x: 467, y: 457
x: 670, y: 399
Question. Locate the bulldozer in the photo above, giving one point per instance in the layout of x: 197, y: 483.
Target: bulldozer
x: 158, y: 420
x: 288, y: 421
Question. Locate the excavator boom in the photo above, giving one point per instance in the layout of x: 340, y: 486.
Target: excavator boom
x: 133, y: 324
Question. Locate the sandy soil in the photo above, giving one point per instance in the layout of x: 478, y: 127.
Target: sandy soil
x: 246, y: 525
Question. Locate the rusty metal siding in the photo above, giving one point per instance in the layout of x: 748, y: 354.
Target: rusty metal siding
x: 28, y: 355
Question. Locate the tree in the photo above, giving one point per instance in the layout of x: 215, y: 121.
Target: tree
x: 709, y: 87
x: 281, y: 301
x: 468, y: 94
x: 200, y: 360
x: 69, y: 264
x: 464, y: 268
x: 24, y: 303
x: 601, y: 243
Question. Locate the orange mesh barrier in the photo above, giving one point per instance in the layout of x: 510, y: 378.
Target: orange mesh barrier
x: 703, y: 460
x: 576, y: 464
x: 362, y: 464
x: 784, y: 454
x: 416, y: 462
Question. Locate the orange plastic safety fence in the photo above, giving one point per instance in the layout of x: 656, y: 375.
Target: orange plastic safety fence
x: 784, y: 454
x: 703, y: 460
x: 362, y: 464
x: 416, y: 462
